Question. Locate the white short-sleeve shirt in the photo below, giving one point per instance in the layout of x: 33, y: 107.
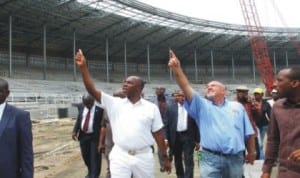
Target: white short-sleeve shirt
x: 132, y: 124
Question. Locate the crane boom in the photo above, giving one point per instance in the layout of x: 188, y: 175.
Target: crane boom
x: 258, y: 43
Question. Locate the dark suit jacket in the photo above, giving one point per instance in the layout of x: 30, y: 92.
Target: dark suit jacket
x: 16, y: 152
x: 171, y: 126
x: 96, y: 126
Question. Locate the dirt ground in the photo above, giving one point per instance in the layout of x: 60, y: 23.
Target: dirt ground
x: 58, y: 156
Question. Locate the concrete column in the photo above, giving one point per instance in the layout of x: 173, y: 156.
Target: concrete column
x: 125, y: 60
x: 212, y: 63
x: 196, y: 66
x: 107, y: 60
x: 233, y: 67
x: 274, y: 62
x: 286, y: 59
x: 45, y: 52
x: 10, y: 74
x: 148, y: 62
x: 74, y: 53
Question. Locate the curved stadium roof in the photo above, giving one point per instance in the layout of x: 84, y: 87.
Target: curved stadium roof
x: 139, y: 25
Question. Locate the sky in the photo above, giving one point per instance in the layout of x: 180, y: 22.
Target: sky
x: 229, y: 11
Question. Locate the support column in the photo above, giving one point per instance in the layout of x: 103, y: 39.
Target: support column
x: 196, y: 66
x: 74, y: 54
x: 107, y: 66
x: 274, y: 63
x: 125, y: 60
x: 233, y: 67
x: 148, y: 62
x: 10, y: 74
x: 45, y: 52
x: 212, y: 63
x: 286, y: 59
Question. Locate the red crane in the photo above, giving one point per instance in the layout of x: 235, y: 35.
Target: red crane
x: 258, y: 43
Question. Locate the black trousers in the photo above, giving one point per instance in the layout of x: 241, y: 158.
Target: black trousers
x: 90, y: 155
x: 183, y: 151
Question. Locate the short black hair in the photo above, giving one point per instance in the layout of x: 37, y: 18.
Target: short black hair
x: 87, y: 97
x: 161, y: 98
x: 294, y: 73
x: 142, y: 82
x: 4, y: 84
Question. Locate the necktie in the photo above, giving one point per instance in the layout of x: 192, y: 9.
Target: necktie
x: 86, y: 122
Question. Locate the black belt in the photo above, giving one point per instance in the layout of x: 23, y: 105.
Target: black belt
x: 217, y: 152
x: 181, y: 132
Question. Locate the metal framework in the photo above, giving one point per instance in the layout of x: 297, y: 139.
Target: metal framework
x: 102, y: 28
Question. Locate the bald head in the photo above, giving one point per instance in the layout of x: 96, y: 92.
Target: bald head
x: 215, y: 91
x: 217, y: 83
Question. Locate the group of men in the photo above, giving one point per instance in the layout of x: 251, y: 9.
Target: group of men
x: 227, y: 133
x: 225, y: 127
x: 258, y: 110
x: 180, y: 130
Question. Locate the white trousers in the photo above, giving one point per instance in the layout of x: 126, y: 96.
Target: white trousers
x: 123, y: 165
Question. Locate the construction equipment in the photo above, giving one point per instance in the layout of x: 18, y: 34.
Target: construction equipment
x: 258, y: 43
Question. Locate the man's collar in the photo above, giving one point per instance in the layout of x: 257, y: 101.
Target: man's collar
x: 136, y: 103
x: 290, y: 103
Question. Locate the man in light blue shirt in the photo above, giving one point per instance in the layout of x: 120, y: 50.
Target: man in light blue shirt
x: 224, y: 127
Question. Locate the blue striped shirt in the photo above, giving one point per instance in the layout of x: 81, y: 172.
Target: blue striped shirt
x: 222, y: 127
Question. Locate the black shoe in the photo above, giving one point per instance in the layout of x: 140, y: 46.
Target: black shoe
x: 162, y: 169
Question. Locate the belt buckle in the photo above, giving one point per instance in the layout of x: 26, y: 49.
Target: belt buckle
x: 131, y: 152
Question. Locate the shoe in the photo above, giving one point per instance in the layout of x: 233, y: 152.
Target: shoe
x: 108, y: 175
x: 162, y: 169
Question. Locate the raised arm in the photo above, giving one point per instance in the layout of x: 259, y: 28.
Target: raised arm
x: 87, y: 79
x: 180, y: 77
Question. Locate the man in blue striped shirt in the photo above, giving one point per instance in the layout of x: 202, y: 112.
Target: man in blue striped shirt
x: 224, y: 127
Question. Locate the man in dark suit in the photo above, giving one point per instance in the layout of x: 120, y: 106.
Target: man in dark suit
x: 86, y: 129
x: 16, y: 153
x: 183, y: 137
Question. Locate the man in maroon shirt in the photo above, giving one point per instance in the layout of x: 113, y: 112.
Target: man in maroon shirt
x: 284, y: 129
x: 243, y: 98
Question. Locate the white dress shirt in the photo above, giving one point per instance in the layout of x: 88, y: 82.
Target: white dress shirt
x: 132, y: 124
x: 182, y: 119
x: 2, y: 106
x: 91, y: 121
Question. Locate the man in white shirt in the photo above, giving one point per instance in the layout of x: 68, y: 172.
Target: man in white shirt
x: 134, y: 123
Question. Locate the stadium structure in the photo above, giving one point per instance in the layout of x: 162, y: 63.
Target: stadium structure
x: 127, y: 36
x: 38, y: 40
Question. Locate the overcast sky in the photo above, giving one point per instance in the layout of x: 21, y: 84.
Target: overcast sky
x: 229, y: 11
